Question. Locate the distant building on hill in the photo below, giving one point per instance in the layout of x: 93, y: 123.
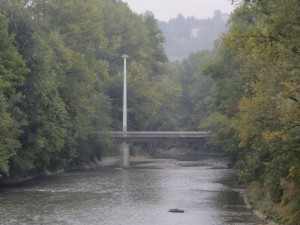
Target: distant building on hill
x: 197, y: 32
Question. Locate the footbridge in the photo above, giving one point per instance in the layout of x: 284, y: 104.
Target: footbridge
x: 156, y: 136
x: 124, y: 137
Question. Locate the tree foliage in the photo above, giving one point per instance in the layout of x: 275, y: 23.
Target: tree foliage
x: 70, y: 52
x: 12, y: 76
x: 257, y: 88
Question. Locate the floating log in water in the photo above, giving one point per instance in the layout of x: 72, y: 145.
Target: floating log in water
x: 176, y: 210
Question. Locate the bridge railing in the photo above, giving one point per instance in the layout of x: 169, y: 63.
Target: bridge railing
x: 156, y: 135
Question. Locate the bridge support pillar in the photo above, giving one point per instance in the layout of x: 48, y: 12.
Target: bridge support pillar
x: 124, y: 155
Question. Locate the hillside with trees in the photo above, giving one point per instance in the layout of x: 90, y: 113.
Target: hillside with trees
x: 189, y: 35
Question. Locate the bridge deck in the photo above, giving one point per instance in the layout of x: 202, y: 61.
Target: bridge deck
x: 141, y: 136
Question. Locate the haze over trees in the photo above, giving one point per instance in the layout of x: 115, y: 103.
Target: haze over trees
x: 188, y: 35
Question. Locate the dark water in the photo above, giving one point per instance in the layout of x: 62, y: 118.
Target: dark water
x: 138, y: 196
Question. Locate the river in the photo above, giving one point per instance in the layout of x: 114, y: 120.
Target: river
x: 202, y: 186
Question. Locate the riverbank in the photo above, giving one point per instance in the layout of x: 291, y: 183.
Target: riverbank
x: 153, y: 161
x: 284, y: 212
x: 258, y: 213
x: 107, y: 161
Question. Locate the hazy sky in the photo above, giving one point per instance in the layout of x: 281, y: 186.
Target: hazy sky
x: 168, y: 9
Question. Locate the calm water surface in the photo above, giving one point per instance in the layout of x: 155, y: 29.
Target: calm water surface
x: 141, y: 195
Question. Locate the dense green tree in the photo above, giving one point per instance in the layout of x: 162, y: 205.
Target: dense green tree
x: 168, y: 116
x: 184, y: 104
x: 61, y: 60
x: 263, y: 75
x: 74, y: 87
x: 196, y: 89
x: 12, y: 66
x: 140, y: 38
x: 157, y: 55
x: 12, y: 71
